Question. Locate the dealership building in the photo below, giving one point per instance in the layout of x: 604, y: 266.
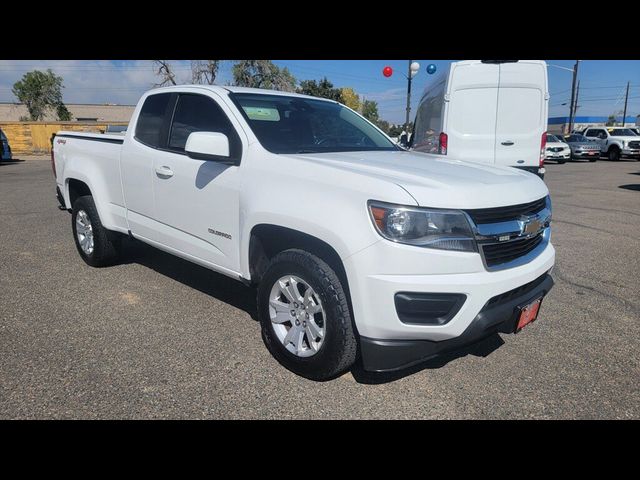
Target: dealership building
x: 561, y: 124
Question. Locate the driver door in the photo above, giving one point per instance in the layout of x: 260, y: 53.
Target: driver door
x: 197, y: 201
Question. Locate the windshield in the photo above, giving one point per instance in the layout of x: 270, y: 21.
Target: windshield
x: 578, y: 138
x: 285, y: 124
x: 552, y: 139
x: 622, y: 132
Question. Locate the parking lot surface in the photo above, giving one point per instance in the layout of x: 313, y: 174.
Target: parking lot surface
x: 158, y: 337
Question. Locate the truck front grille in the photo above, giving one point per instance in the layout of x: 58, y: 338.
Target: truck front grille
x: 635, y: 144
x: 496, y: 254
x: 501, y: 214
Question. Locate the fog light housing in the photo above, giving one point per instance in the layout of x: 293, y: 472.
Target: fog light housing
x: 418, y: 308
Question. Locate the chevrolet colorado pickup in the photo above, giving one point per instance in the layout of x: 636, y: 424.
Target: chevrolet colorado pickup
x: 360, y: 250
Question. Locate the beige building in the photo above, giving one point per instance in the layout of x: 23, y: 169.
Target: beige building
x: 13, y: 112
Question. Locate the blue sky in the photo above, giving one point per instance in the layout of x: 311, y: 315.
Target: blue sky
x: 601, y: 88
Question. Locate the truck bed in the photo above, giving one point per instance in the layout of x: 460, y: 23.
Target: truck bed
x: 100, y: 137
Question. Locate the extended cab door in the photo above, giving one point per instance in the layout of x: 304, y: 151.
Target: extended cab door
x: 197, y: 201
x: 521, y: 113
x: 139, y: 151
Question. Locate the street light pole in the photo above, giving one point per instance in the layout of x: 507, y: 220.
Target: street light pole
x: 573, y: 95
x: 409, y: 78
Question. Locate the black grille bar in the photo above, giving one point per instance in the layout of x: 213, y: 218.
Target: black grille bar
x: 498, y: 253
x: 501, y: 214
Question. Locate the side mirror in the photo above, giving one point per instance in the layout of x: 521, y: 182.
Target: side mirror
x: 208, y: 146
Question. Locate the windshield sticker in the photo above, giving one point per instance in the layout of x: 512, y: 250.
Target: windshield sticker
x: 262, y: 113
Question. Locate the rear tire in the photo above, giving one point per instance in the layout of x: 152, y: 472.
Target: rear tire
x: 97, y: 246
x: 337, y: 348
x: 614, y: 154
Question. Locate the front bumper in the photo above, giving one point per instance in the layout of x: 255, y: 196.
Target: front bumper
x: 497, y: 315
x: 559, y: 156
x: 586, y: 153
x: 630, y: 152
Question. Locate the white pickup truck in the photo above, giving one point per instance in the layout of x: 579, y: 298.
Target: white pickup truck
x: 358, y: 248
x: 615, y: 142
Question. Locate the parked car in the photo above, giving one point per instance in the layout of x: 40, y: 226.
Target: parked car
x: 351, y: 240
x: 5, y: 148
x: 115, y: 129
x: 490, y: 112
x: 615, y: 142
x: 582, y: 147
x: 556, y: 149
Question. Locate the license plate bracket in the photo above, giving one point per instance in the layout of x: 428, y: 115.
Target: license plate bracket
x: 527, y: 313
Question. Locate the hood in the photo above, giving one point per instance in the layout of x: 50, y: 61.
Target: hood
x: 556, y: 144
x: 437, y: 181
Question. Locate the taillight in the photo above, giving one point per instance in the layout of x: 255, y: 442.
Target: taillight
x: 443, y: 143
x: 53, y: 162
x: 543, y: 145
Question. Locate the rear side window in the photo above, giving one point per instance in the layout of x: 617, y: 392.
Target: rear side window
x: 198, y: 113
x: 151, y: 119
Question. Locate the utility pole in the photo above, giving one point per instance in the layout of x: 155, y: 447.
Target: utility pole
x: 624, y: 116
x: 406, y: 122
x: 573, y: 95
x: 575, y: 106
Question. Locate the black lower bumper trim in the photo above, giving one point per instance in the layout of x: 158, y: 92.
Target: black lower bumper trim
x: 496, y: 316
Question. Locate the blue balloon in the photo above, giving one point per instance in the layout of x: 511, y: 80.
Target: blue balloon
x: 431, y: 69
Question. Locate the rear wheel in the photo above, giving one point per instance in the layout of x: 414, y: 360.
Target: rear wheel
x: 614, y: 154
x: 304, y: 314
x: 96, y: 245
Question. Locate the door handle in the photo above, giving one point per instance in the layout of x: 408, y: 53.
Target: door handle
x: 164, y: 171
x: 507, y: 143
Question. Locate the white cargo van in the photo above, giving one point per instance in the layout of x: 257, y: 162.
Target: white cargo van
x: 486, y: 111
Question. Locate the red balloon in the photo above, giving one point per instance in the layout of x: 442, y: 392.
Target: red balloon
x: 387, y: 71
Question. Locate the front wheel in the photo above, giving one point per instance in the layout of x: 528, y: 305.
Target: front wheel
x: 614, y: 154
x: 96, y: 245
x: 304, y: 314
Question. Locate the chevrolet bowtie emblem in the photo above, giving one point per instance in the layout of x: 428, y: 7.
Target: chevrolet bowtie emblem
x: 530, y: 225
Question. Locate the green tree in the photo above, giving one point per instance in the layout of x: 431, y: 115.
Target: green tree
x: 324, y: 88
x: 63, y: 113
x: 370, y: 110
x: 383, y: 125
x: 349, y: 97
x: 611, y: 121
x: 263, y: 74
x: 39, y: 92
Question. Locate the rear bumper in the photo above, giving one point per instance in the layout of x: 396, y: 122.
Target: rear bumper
x: 498, y: 315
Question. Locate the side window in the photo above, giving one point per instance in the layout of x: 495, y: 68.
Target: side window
x: 198, y: 113
x: 151, y: 118
x: 590, y: 133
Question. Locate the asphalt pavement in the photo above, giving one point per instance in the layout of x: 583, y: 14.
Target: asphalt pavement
x: 158, y: 337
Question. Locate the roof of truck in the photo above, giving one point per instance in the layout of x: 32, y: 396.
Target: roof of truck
x: 233, y: 89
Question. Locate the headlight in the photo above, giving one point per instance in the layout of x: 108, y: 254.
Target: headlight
x: 423, y: 227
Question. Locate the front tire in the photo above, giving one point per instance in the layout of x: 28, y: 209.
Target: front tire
x: 614, y: 154
x: 97, y: 246
x: 304, y: 314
